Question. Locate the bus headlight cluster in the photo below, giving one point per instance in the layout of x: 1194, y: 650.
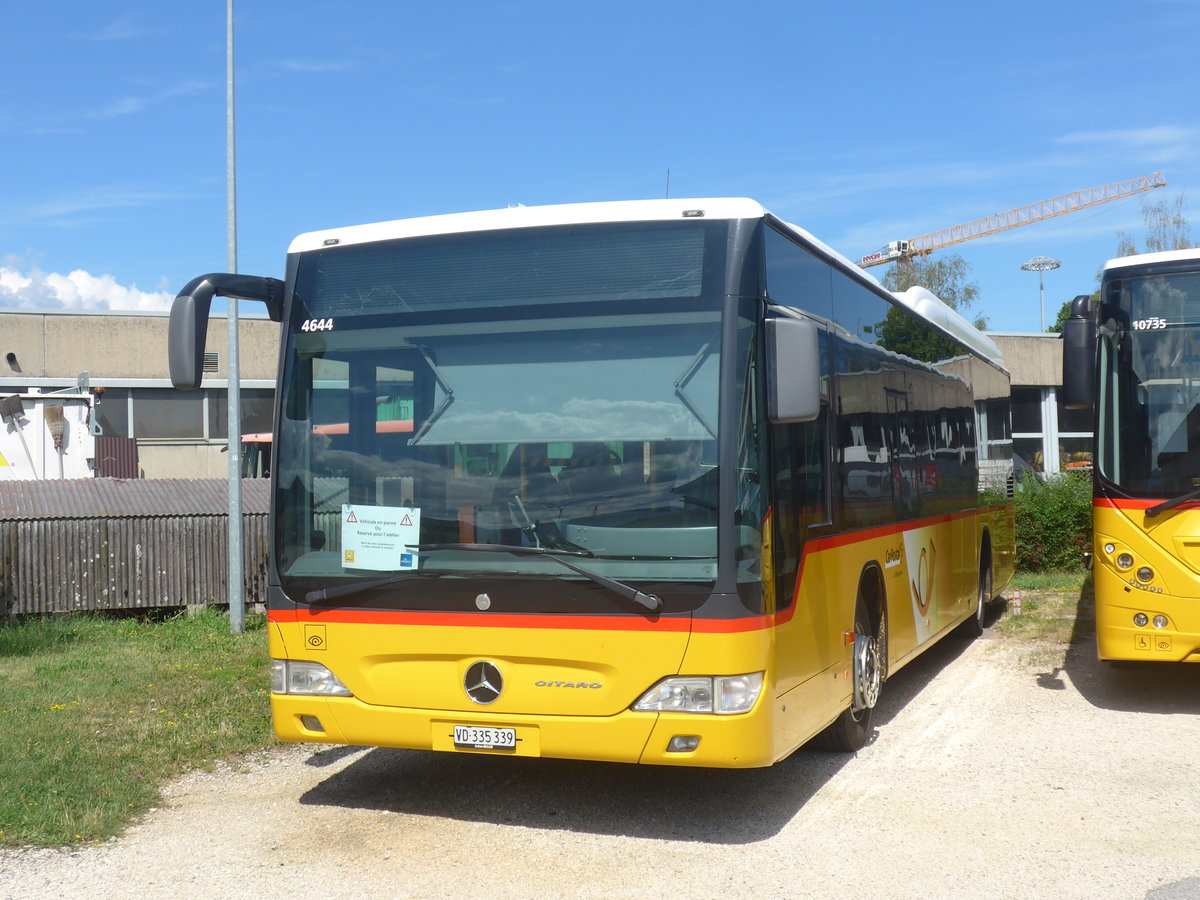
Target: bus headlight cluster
x: 723, y: 695
x: 1141, y: 578
x: 302, y: 677
x: 1141, y: 620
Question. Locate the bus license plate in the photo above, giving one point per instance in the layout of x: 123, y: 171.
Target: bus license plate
x: 476, y: 737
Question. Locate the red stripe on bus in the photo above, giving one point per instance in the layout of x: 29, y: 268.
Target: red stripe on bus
x: 533, y: 620
x: 607, y: 623
x: 1109, y: 503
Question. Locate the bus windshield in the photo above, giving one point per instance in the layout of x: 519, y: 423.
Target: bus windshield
x: 1149, y: 407
x: 581, y: 422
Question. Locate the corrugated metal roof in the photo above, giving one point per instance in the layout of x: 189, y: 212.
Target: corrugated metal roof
x: 93, y: 498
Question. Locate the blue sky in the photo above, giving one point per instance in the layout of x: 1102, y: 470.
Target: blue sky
x: 863, y: 123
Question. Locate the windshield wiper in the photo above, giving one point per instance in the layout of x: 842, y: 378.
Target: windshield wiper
x: 442, y: 407
x: 1173, y: 502
x: 651, y: 602
x: 346, y: 590
x: 681, y: 384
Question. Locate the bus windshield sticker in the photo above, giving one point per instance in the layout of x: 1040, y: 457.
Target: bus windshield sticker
x: 380, y: 538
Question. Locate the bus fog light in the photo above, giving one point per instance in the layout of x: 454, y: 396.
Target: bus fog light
x: 303, y: 677
x: 683, y: 743
x: 1110, y: 549
x: 1140, y: 620
x: 738, y: 693
x: 1124, y: 561
x: 312, y: 723
x: 1160, y: 622
x: 1145, y: 574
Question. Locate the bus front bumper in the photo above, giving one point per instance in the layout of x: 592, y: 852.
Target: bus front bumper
x: 742, y: 741
x: 1120, y: 634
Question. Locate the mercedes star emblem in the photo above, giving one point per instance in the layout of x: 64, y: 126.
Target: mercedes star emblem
x: 483, y: 683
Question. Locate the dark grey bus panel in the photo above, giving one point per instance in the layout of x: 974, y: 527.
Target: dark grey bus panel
x: 1079, y: 356
x: 188, y: 326
x: 793, y: 370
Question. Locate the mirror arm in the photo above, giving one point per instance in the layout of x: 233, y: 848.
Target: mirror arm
x: 189, y: 318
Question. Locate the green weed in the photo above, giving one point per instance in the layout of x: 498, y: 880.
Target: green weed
x: 96, y: 714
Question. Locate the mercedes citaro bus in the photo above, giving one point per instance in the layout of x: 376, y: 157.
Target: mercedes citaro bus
x: 675, y: 483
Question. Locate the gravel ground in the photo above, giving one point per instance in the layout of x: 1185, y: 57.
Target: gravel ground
x: 992, y: 775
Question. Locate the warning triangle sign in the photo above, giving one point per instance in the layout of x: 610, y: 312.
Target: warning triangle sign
x: 352, y: 517
x: 407, y: 520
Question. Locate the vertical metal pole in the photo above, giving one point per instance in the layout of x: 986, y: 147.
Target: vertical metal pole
x: 1041, y: 293
x: 237, y: 599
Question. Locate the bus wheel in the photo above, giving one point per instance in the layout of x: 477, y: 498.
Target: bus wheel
x: 973, y: 627
x: 852, y: 729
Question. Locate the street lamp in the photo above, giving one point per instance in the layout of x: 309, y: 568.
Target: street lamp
x: 1041, y: 264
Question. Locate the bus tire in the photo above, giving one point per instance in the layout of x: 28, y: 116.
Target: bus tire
x: 973, y: 627
x: 852, y: 729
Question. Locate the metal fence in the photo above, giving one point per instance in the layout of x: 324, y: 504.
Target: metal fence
x: 109, y: 544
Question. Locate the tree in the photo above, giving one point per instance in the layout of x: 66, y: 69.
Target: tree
x: 1167, y: 228
x: 1064, y: 313
x: 945, y: 277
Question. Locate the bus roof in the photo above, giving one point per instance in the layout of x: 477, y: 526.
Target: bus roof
x: 533, y: 217
x: 1145, y: 259
x: 929, y: 306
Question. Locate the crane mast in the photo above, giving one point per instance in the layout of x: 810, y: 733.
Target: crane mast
x: 1014, y: 218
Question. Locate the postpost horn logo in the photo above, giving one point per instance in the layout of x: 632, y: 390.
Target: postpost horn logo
x: 923, y: 585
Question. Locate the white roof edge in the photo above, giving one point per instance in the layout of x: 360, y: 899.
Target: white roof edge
x: 825, y: 248
x: 532, y: 217
x: 1142, y: 259
x: 928, y: 305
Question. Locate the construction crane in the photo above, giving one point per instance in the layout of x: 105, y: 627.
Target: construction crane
x: 1014, y: 218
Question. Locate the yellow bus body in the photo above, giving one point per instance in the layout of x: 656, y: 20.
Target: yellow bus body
x: 1168, y: 544
x: 570, y: 680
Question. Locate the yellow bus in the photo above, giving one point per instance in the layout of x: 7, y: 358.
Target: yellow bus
x: 676, y: 483
x: 1133, y: 356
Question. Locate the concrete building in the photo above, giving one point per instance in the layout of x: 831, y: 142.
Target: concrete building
x: 181, y: 434
x: 1047, y: 436
x: 124, y: 359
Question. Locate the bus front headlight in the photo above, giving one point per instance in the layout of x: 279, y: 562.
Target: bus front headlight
x: 723, y: 695
x: 303, y: 677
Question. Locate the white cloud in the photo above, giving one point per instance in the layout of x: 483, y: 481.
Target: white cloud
x: 127, y: 106
x: 78, y: 289
x: 1158, y: 144
x: 120, y: 29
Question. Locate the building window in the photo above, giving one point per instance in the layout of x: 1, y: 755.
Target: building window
x: 112, y: 412
x: 1047, y: 436
x: 166, y: 414
x: 257, y: 411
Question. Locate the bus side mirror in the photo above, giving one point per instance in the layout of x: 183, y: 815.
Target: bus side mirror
x: 189, y: 319
x: 793, y: 371
x: 1079, y: 356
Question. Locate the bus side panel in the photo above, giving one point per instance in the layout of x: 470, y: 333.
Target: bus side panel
x: 1000, y: 523
x: 810, y: 655
x: 1169, y: 545
x: 929, y: 573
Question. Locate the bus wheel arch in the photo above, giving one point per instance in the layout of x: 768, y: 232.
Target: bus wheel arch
x: 853, y: 729
x: 973, y: 627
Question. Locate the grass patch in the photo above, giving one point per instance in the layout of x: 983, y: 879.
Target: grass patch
x: 1051, y: 605
x: 96, y: 714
